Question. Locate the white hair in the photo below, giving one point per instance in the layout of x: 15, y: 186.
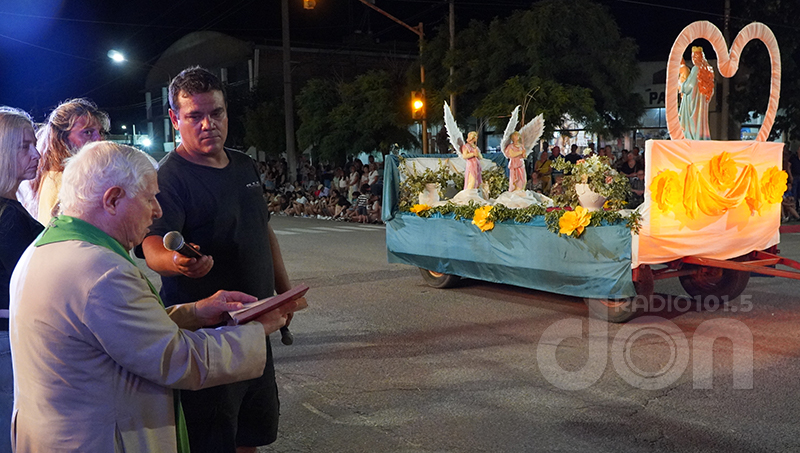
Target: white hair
x: 98, y: 167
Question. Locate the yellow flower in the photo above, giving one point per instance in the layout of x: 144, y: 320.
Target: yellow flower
x: 666, y: 190
x: 723, y: 170
x: 773, y: 184
x: 481, y: 218
x: 573, y: 222
x: 417, y: 208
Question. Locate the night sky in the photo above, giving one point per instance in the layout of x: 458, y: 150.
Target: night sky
x: 51, y: 50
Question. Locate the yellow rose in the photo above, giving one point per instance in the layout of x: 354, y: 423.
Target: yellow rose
x: 773, y: 185
x: 574, y: 222
x: 723, y: 170
x: 417, y: 208
x: 666, y: 190
x: 481, y: 218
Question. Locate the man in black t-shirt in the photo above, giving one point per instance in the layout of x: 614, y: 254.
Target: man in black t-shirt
x: 212, y: 196
x: 573, y: 157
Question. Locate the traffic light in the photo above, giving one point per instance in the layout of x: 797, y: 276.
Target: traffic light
x: 417, y: 105
x: 309, y: 4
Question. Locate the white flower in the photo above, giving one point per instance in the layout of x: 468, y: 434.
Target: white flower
x: 587, y: 151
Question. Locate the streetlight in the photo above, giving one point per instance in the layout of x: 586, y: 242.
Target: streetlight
x: 119, y: 58
x: 116, y: 56
x: 133, y: 137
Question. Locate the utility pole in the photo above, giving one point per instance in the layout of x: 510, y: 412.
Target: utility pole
x: 452, y: 47
x: 288, y: 102
x: 419, y: 32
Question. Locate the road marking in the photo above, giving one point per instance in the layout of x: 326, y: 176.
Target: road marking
x: 303, y: 230
x: 320, y: 230
x: 357, y: 228
x: 314, y: 410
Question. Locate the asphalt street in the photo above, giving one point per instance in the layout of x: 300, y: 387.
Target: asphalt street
x: 383, y: 363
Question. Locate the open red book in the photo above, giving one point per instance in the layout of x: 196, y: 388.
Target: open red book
x: 255, y: 309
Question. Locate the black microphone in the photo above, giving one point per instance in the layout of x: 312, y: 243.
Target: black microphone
x: 173, y: 241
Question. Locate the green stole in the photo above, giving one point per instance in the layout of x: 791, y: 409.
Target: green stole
x: 65, y: 228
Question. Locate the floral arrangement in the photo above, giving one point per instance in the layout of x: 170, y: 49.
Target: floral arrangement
x: 413, y: 182
x: 562, y: 220
x: 595, y: 172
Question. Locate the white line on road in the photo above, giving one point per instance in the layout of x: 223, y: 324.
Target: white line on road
x: 283, y: 233
x: 303, y: 230
x: 356, y: 228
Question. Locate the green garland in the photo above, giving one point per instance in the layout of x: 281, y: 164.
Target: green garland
x: 414, y: 184
x: 600, y: 177
x: 552, y: 217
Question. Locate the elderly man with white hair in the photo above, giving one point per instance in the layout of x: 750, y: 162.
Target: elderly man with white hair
x: 96, y: 356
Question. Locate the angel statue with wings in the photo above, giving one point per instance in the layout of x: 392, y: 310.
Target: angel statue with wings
x: 468, y: 150
x: 516, y: 145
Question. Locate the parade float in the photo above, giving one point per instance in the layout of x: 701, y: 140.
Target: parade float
x: 710, y: 217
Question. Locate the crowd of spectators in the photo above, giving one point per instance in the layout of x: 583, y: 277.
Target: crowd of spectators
x: 544, y: 179
x: 348, y: 193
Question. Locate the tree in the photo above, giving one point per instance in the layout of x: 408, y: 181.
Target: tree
x: 263, y: 128
x: 341, y: 118
x: 750, y: 92
x: 562, y: 63
x: 255, y: 118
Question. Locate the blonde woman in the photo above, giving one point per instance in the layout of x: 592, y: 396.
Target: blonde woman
x: 18, y: 162
x: 71, y: 125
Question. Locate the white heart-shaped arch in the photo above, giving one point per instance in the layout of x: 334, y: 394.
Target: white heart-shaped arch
x: 728, y: 64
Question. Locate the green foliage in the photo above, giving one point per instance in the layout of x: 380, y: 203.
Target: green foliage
x: 501, y: 213
x: 256, y: 118
x: 750, y: 91
x: 495, y: 178
x: 560, y: 57
x: 593, y: 171
x: 413, y: 182
x: 344, y: 118
x: 264, y: 127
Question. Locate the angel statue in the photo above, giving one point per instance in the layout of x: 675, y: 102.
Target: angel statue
x: 696, y: 92
x: 517, y: 145
x: 468, y: 150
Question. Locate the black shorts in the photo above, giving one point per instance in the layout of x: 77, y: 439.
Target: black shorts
x: 243, y: 414
x: 361, y: 210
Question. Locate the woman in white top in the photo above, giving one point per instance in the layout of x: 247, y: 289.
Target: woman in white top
x: 373, y: 174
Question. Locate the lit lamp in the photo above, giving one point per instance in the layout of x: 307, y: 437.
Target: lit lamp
x: 117, y: 57
x: 309, y: 4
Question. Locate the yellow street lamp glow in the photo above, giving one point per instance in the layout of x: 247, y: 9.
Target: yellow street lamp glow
x: 417, y: 105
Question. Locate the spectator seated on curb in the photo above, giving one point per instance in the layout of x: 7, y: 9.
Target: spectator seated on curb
x: 788, y: 210
x: 374, y: 211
